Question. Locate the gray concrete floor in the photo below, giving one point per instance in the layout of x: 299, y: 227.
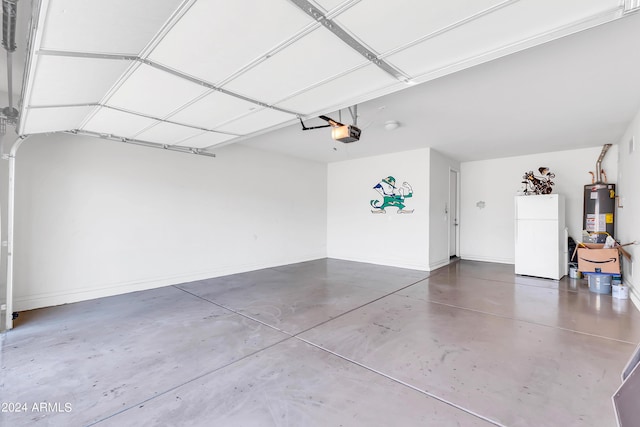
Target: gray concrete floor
x: 325, y: 343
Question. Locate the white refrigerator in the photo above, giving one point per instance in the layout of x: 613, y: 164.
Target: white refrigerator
x: 541, y: 236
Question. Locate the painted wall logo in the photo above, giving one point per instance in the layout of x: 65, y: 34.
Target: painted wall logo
x: 392, y: 196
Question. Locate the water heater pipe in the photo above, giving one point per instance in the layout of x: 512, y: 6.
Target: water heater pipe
x: 599, y: 163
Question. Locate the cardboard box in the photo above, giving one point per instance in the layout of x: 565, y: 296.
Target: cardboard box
x: 593, y: 256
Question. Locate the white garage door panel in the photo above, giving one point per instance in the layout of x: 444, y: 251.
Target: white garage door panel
x: 206, y: 139
x: 405, y: 21
x: 517, y: 23
x: 214, y: 39
x: 66, y: 80
x: 212, y: 110
x: 105, y: 26
x: 117, y: 123
x: 167, y: 133
x: 256, y: 121
x: 319, y: 50
x: 154, y: 92
x: 43, y: 120
x: 340, y: 90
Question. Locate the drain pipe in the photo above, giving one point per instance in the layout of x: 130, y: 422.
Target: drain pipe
x: 10, y: 226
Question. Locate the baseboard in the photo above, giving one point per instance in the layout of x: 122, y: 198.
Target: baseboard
x: 389, y: 262
x: 67, y: 296
x: 633, y: 294
x: 439, y: 264
x: 472, y: 257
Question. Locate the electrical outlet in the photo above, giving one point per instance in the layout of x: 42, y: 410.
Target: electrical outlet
x: 3, y: 307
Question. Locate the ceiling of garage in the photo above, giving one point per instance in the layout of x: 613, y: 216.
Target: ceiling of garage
x: 195, y: 74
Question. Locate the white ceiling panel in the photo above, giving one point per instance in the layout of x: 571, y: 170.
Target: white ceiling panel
x: 214, y: 39
x: 312, y: 59
x: 114, y: 26
x: 206, y: 139
x: 256, y: 121
x: 62, y: 80
x: 167, y: 133
x: 43, y: 120
x: 405, y: 21
x: 340, y: 91
x: 118, y: 123
x: 154, y: 92
x: 212, y: 110
x: 518, y: 22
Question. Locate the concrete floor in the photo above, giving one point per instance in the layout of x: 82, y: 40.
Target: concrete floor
x: 325, y: 343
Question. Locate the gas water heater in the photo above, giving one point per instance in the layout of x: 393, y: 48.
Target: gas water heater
x: 599, y: 204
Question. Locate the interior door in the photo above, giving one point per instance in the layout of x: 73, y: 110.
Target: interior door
x: 453, y: 213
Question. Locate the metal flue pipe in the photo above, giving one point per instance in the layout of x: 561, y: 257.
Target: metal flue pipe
x: 599, y: 163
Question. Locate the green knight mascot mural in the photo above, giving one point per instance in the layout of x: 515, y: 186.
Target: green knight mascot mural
x: 392, y: 196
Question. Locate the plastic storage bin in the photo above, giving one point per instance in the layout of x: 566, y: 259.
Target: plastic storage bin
x: 599, y: 283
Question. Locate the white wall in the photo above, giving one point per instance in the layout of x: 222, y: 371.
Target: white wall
x: 487, y: 234
x: 439, y: 208
x: 96, y: 218
x: 355, y: 233
x: 628, y: 223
